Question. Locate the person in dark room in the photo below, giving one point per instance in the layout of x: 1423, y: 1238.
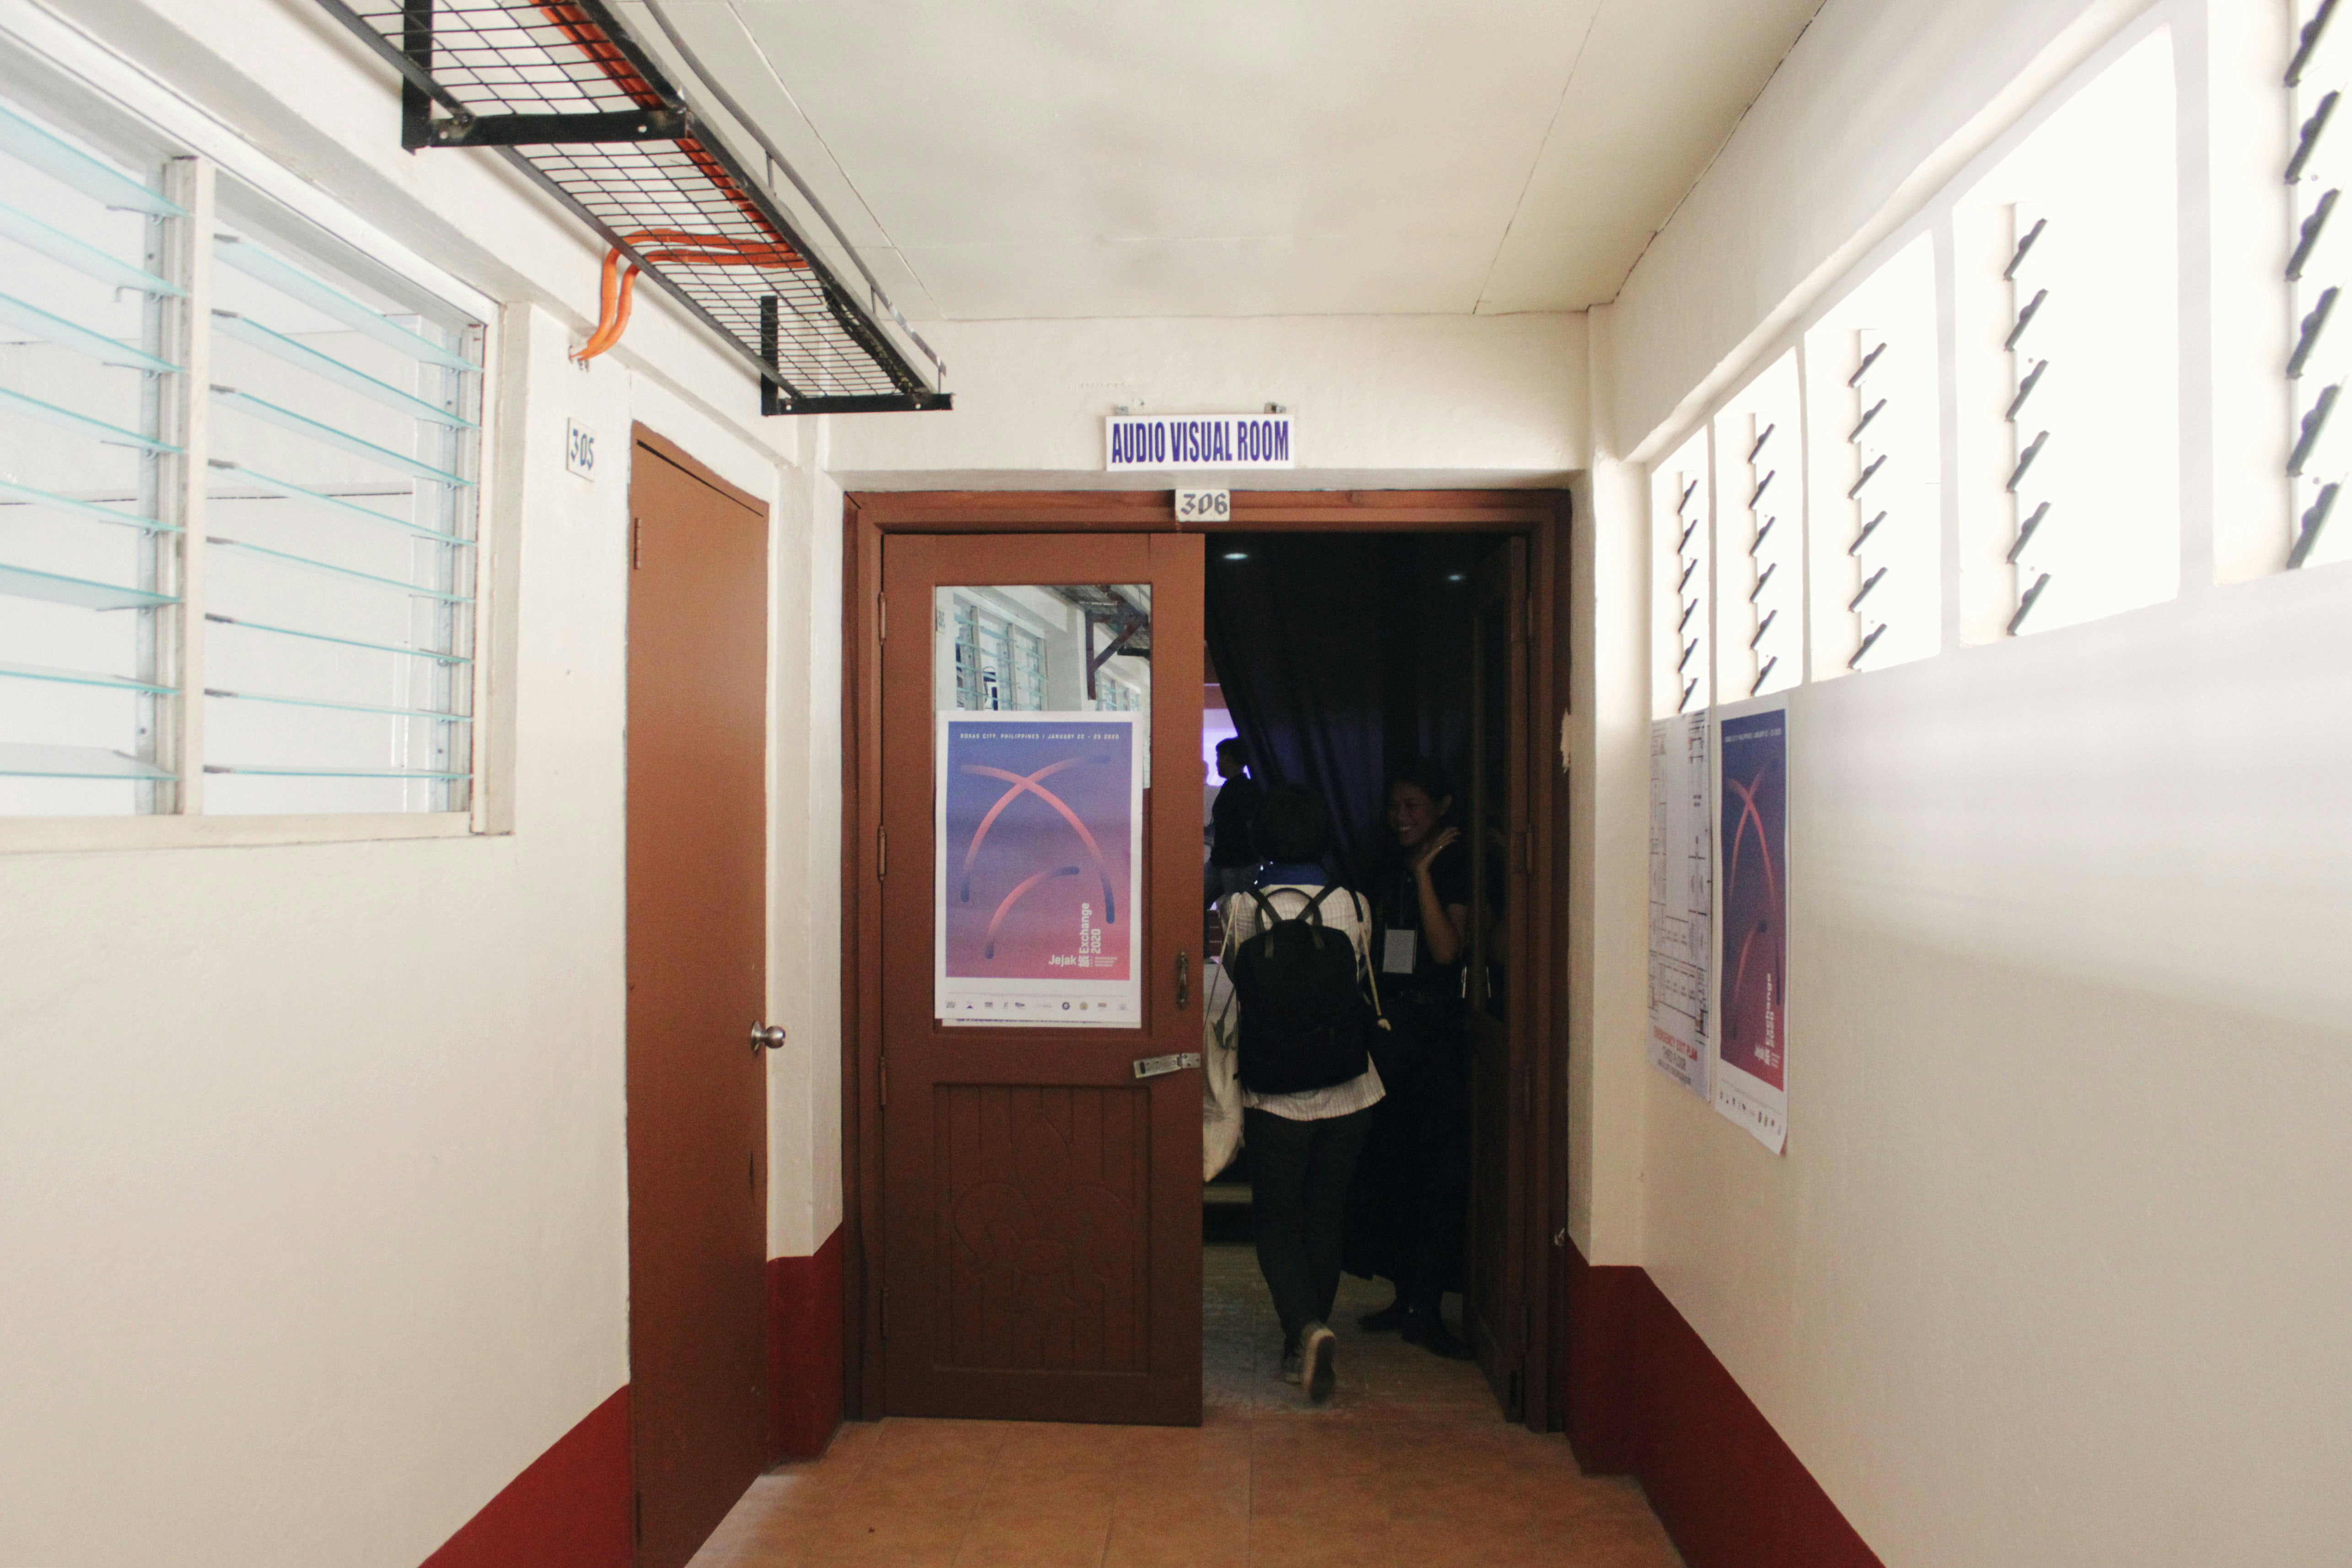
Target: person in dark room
x: 1231, y: 857
x: 1409, y: 1213
x: 1309, y: 1085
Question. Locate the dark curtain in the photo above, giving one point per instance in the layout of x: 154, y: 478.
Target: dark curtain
x: 1342, y: 657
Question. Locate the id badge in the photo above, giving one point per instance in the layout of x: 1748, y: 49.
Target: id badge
x: 1397, y: 952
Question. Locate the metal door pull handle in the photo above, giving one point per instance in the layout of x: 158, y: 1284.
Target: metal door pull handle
x: 766, y: 1037
x: 1183, y: 980
x: 1159, y: 1066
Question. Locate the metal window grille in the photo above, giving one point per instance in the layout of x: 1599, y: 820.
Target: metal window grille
x: 2317, y: 270
x: 1028, y: 669
x: 969, y: 689
x: 561, y: 89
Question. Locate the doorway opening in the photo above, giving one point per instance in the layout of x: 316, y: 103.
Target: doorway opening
x: 1363, y: 667
x: 1020, y: 1229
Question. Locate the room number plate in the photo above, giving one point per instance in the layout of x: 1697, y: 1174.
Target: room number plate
x: 1204, y: 506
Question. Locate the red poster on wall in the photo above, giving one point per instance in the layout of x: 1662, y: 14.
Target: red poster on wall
x: 1040, y: 857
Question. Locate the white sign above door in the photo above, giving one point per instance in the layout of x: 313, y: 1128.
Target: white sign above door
x: 1134, y: 441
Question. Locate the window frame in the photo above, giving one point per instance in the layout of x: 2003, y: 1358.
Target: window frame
x: 56, y: 72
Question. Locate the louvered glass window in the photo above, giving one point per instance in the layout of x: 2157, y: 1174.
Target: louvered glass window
x: 1759, y: 530
x: 90, y: 547
x: 1681, y: 498
x: 340, y: 525
x: 2317, y: 269
x: 2086, y: 307
x: 1877, y: 500
x: 252, y: 595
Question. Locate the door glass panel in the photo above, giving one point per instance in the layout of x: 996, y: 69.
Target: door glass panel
x: 1043, y: 694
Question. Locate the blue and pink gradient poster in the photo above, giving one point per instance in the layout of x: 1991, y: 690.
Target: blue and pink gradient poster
x: 1752, y: 971
x: 1040, y: 857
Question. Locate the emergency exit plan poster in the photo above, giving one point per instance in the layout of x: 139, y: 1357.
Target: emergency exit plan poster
x: 1040, y: 855
x: 1751, y: 966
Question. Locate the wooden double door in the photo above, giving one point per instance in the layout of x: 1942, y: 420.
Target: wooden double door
x: 1032, y: 1223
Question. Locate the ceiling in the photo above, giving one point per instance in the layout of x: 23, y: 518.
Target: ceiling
x: 1080, y: 158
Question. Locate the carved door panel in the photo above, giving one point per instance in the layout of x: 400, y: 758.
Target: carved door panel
x: 1502, y: 1108
x: 1041, y: 898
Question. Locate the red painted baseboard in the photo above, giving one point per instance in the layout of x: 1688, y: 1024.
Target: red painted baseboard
x: 1641, y: 1393
x: 804, y: 1351
x: 572, y: 1508
x: 1596, y: 1374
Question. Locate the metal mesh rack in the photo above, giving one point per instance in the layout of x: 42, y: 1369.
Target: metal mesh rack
x: 560, y: 89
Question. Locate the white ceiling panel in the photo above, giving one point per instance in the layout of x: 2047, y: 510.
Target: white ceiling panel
x: 1068, y: 158
x: 1614, y: 168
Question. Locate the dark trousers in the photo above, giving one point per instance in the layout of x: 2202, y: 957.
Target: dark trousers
x: 1410, y: 1206
x: 1299, y: 1176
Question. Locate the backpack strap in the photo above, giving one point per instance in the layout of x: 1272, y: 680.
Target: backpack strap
x: 1266, y: 918
x: 1372, y: 970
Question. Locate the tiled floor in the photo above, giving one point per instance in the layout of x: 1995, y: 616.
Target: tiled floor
x: 1409, y: 1465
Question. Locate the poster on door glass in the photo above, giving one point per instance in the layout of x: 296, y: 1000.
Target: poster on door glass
x: 1040, y: 855
x: 1751, y: 967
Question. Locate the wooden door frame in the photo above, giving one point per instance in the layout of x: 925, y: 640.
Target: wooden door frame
x: 867, y: 516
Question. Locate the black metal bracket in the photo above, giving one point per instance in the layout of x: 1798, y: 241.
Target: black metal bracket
x: 550, y: 130
x: 415, y: 35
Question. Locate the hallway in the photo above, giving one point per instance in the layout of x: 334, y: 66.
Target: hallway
x: 1408, y: 1465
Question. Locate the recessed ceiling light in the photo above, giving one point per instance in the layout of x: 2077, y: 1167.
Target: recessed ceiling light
x: 1236, y: 554
x: 1457, y: 576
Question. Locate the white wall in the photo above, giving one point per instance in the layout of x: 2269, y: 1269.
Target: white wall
x: 2050, y: 1274
x: 1376, y: 402
x: 315, y: 1201
x: 1878, y: 104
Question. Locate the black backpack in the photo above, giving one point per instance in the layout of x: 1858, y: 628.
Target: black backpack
x: 1305, y: 1021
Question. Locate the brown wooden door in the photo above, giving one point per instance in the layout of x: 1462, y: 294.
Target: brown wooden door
x: 697, y: 932
x: 1501, y: 1100
x: 1041, y: 1204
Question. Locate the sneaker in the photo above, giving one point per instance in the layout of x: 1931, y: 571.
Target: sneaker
x: 1428, y: 1330
x: 1318, y: 1347
x: 1386, y: 1321
x: 1291, y: 1363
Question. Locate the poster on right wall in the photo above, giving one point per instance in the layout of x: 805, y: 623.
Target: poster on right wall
x: 1751, y: 969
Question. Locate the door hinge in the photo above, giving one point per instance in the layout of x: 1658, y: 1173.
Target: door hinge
x: 637, y: 542
x: 881, y: 617
x: 881, y: 853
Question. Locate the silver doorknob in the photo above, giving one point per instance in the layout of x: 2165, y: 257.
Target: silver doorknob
x: 766, y: 1037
